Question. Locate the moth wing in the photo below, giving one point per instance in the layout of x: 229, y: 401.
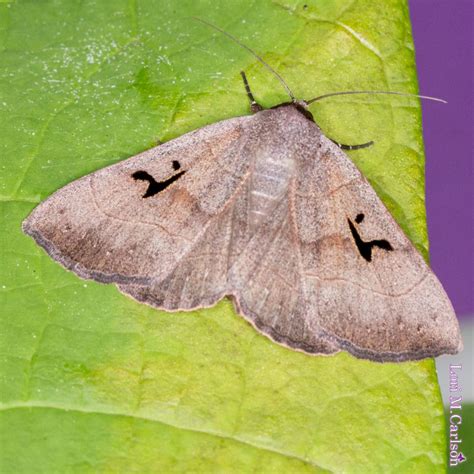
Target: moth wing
x: 102, y: 227
x: 200, y: 279
x: 265, y: 281
x: 259, y: 269
x: 391, y: 308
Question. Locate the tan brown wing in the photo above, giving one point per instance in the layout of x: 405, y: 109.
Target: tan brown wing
x: 370, y: 290
x: 267, y: 286
x: 132, y: 222
x: 200, y: 279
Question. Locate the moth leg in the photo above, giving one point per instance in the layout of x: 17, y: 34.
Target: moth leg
x: 352, y: 147
x: 254, y: 106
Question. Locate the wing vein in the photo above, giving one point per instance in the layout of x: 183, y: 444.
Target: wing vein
x: 403, y: 293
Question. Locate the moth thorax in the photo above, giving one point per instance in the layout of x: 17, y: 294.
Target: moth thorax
x: 268, y: 185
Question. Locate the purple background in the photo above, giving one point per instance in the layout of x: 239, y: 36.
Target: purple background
x: 442, y: 31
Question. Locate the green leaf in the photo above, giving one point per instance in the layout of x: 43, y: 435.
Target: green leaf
x: 93, y: 381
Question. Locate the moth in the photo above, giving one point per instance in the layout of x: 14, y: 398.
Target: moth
x: 268, y: 211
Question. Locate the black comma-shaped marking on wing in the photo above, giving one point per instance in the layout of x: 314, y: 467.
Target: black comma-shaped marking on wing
x: 365, y: 248
x: 155, y: 187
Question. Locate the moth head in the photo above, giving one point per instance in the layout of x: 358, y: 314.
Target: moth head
x: 300, y: 105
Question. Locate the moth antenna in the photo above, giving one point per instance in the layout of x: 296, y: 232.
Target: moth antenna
x: 332, y: 94
x: 251, y: 51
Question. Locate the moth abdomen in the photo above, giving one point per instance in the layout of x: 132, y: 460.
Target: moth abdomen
x: 268, y: 185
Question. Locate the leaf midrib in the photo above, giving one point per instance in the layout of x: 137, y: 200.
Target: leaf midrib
x: 67, y: 408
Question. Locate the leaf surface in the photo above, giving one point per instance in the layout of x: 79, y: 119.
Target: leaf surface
x: 95, y: 382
